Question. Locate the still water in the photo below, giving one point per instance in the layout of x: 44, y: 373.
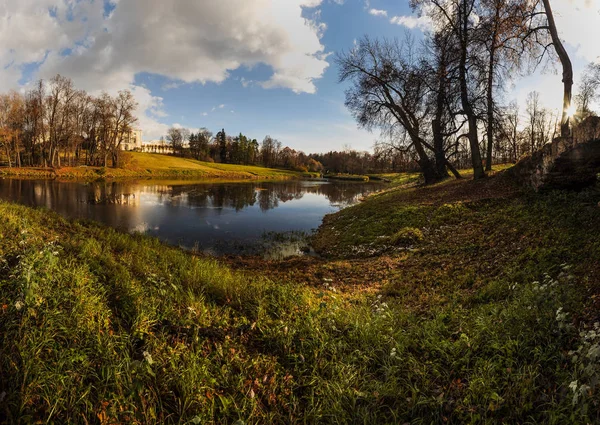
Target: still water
x: 216, y: 218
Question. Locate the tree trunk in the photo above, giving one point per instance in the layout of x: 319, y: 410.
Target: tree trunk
x: 17, y: 151
x: 436, y: 124
x: 440, y: 154
x: 427, y: 167
x: 490, y: 110
x: 478, y: 171
x: 567, y: 70
x: 7, y: 154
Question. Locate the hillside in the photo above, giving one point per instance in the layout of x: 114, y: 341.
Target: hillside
x: 137, y: 164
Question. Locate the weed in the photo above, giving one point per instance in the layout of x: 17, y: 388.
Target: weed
x: 479, y: 325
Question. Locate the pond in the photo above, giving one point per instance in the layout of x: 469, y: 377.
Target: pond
x: 270, y: 218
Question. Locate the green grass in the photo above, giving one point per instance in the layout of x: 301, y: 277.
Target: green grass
x: 136, y: 164
x: 347, y: 177
x: 97, y: 326
x: 399, y: 178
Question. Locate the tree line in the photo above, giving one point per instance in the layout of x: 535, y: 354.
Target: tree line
x: 222, y: 148
x: 440, y: 100
x: 54, y: 124
x: 241, y: 149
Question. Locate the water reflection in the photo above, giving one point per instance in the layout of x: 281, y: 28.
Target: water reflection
x: 216, y: 217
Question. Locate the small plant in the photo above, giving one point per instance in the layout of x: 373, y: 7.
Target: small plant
x: 407, y: 236
x: 586, y: 360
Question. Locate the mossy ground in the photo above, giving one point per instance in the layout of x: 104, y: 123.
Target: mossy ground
x: 472, y: 323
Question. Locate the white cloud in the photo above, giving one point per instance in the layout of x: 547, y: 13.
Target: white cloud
x: 201, y: 41
x: 171, y: 85
x: 186, y: 41
x: 411, y: 22
x: 150, y: 110
x: 577, y: 22
x: 408, y: 21
x: 378, y: 12
x: 245, y: 82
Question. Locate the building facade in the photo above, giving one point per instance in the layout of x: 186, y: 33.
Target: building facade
x: 132, y: 141
x: 157, y: 146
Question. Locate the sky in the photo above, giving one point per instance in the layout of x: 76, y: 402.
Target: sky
x: 260, y: 67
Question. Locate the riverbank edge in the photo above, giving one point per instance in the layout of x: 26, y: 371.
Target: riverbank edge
x: 89, y: 174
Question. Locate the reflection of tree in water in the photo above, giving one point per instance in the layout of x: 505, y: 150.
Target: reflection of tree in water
x: 235, y: 196
x: 338, y: 193
x: 71, y: 198
x: 271, y: 194
x: 238, y: 196
x: 345, y: 193
x: 111, y: 193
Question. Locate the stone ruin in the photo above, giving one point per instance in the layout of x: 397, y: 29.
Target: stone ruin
x: 566, y: 162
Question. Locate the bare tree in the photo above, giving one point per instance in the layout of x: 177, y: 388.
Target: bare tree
x: 461, y: 19
x: 588, y: 90
x: 511, y: 129
x: 542, y: 34
x: 567, y: 69
x: 390, y: 92
x: 502, y: 25
x: 444, y: 95
x: 177, y: 137
x: 541, y: 123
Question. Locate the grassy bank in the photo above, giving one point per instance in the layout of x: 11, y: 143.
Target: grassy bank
x: 136, y: 165
x: 459, y: 303
x: 347, y: 177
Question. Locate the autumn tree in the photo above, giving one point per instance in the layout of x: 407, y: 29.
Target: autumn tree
x: 269, y: 151
x: 199, y: 143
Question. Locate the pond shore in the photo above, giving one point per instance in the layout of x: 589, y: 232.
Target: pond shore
x: 149, y: 165
x: 453, y: 303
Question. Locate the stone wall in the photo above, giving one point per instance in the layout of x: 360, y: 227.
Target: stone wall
x: 586, y: 130
x: 561, y: 164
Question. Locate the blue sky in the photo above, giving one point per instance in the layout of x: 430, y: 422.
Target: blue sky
x: 311, y: 122
x: 253, y: 66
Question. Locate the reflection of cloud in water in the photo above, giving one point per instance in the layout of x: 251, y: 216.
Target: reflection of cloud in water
x: 214, y: 226
x: 143, y: 228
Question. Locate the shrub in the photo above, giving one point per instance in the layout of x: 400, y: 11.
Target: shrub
x: 126, y: 160
x: 407, y: 236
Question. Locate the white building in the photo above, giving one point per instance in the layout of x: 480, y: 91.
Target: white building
x: 157, y: 146
x: 132, y: 141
